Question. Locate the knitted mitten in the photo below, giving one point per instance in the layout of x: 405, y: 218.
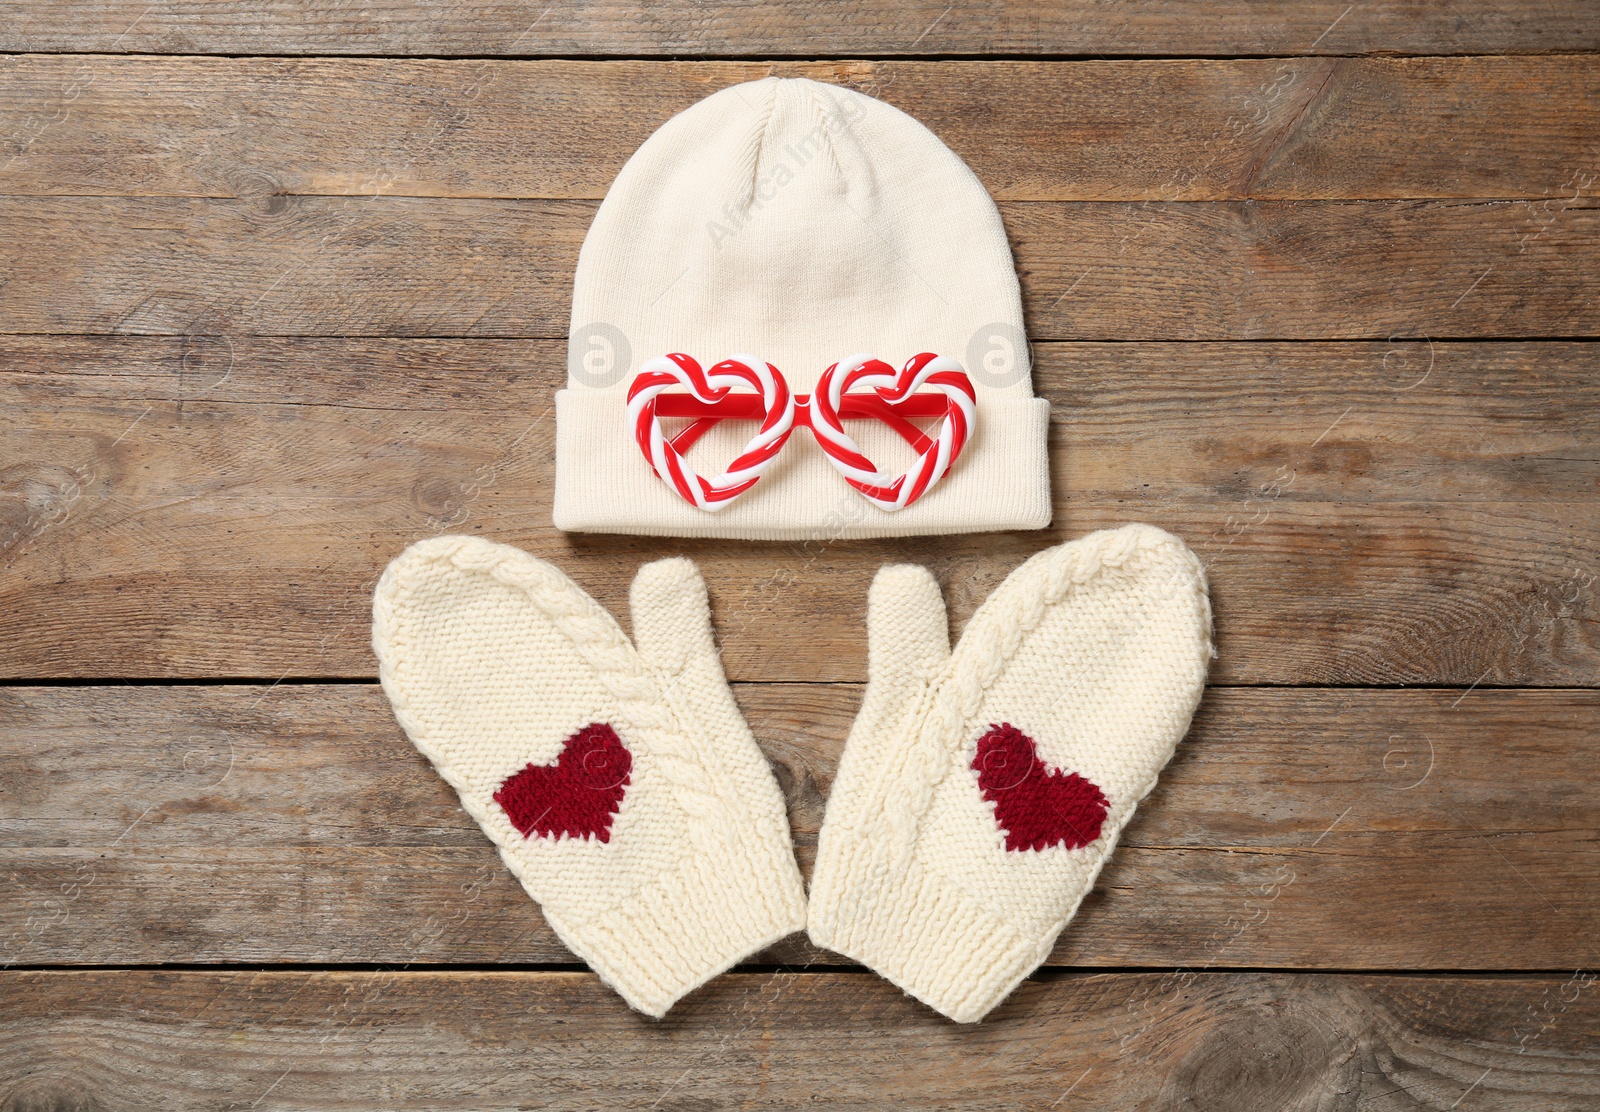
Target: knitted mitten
x: 619, y: 780
x: 981, y: 790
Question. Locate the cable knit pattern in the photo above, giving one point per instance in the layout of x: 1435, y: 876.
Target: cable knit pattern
x: 493, y: 660
x: 1095, y: 650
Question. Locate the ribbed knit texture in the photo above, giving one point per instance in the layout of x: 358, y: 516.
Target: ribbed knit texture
x: 493, y: 660
x: 1096, y: 650
x: 800, y: 223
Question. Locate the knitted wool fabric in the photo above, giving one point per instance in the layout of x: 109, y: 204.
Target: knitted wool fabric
x: 798, y: 223
x: 981, y: 790
x: 618, y: 780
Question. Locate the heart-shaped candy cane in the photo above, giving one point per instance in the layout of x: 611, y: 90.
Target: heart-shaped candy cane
x: 666, y: 456
x: 894, y: 492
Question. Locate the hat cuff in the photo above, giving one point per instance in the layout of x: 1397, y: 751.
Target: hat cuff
x: 605, y: 485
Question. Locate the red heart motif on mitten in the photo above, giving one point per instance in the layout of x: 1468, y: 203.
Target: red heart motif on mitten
x: 1036, y: 807
x: 578, y: 795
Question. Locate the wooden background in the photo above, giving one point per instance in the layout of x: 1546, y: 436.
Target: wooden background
x: 284, y: 286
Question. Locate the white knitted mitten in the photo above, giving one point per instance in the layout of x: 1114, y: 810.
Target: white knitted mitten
x: 981, y: 790
x: 619, y: 780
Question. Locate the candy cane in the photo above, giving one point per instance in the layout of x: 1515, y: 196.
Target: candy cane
x: 666, y: 456
x: 894, y: 492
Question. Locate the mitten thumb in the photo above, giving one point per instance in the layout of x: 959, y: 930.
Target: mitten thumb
x: 908, y: 645
x: 908, y: 638
x: 672, y: 621
x: 672, y: 633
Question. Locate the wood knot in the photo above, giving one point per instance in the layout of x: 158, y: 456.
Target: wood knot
x: 1272, y: 1054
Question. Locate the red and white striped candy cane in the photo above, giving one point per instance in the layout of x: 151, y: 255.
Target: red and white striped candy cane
x: 666, y: 456
x: 943, y: 374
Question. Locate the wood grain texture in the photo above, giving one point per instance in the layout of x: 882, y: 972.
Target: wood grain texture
x: 1270, y: 128
x: 1369, y: 513
x: 398, y: 266
x: 483, y: 1041
x: 805, y: 27
x: 1365, y: 829
x: 224, y: 414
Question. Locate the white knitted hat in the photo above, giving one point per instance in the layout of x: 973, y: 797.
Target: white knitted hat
x: 794, y: 224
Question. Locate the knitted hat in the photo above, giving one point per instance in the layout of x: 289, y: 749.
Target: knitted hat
x: 773, y: 231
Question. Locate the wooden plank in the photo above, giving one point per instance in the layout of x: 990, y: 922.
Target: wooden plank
x: 1436, y: 422
x: 806, y: 27
x: 1297, y: 129
x: 482, y: 1041
x: 356, y: 266
x: 214, y: 505
x: 1306, y: 270
x: 1300, y: 828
